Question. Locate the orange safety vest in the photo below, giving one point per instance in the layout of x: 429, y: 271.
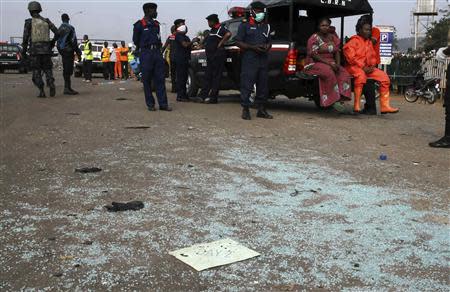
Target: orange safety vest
x: 123, y: 54
x: 105, y: 55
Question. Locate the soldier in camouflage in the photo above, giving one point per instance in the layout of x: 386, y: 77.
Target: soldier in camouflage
x: 37, y: 42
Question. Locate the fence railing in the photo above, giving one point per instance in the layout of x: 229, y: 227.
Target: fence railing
x: 436, y: 69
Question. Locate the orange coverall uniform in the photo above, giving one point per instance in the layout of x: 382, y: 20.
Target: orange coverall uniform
x: 359, y: 53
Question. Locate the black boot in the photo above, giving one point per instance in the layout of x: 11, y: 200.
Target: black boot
x: 262, y: 113
x: 41, y: 93
x: 52, y: 89
x: 444, y: 142
x: 67, y: 90
x: 246, y: 114
x: 74, y: 92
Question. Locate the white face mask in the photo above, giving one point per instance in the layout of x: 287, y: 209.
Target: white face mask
x: 182, y: 28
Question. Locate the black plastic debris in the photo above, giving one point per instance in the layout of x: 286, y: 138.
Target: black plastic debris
x: 122, y: 98
x: 137, y: 127
x: 120, y: 207
x: 58, y: 275
x: 88, y: 170
x: 73, y: 114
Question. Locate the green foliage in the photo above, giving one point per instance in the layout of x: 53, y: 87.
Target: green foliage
x: 436, y: 36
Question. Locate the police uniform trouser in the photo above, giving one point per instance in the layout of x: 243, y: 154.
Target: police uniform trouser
x: 173, y: 74
x: 254, y: 71
x: 182, y: 77
x: 87, y: 67
x: 67, y: 60
x: 153, y: 68
x: 447, y: 103
x: 42, y: 64
x: 213, y: 75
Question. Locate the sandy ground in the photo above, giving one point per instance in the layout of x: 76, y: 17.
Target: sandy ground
x: 306, y: 190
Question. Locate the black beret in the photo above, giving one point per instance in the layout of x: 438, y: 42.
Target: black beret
x: 178, y: 21
x: 258, y: 5
x: 149, y: 6
x: 213, y: 17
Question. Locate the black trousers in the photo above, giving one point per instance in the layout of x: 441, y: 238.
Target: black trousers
x: 173, y: 74
x: 213, y: 76
x: 87, y: 68
x: 182, y: 77
x: 111, y: 70
x: 124, y: 65
x: 67, y: 60
x: 42, y: 64
x: 106, y: 70
x: 447, y: 103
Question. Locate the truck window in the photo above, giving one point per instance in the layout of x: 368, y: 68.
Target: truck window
x: 233, y: 28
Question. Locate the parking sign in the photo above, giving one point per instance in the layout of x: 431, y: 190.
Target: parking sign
x: 386, y: 44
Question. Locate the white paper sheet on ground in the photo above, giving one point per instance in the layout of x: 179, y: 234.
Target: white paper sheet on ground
x: 218, y: 253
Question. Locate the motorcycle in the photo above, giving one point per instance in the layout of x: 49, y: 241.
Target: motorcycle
x: 426, y: 89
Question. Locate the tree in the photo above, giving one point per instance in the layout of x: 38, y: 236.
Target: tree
x: 436, y: 36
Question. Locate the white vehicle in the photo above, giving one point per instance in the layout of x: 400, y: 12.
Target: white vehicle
x: 97, y: 66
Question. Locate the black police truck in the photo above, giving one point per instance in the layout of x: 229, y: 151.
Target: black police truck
x: 292, y: 23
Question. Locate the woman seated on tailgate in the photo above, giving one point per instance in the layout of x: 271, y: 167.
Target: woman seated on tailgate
x: 361, y: 63
x: 324, y: 61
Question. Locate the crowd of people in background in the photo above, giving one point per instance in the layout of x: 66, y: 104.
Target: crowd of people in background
x: 361, y: 54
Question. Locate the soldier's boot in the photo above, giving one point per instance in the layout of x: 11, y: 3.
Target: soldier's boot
x: 262, y: 113
x: 41, y: 93
x: 246, y: 114
x: 68, y: 89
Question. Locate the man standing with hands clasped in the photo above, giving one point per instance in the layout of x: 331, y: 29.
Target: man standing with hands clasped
x: 147, y: 39
x: 216, y: 57
x: 253, y: 38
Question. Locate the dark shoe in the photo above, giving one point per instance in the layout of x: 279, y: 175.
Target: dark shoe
x: 67, y: 91
x: 444, y: 142
x: 183, y: 100
x: 246, y: 114
x: 209, y: 100
x: 41, y: 93
x: 262, y: 113
x: 52, y: 90
x: 151, y: 109
x: 165, y: 108
x: 370, y: 112
x: 74, y: 92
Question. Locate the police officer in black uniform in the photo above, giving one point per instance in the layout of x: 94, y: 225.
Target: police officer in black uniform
x: 170, y: 43
x: 68, y: 46
x: 215, y: 57
x: 253, y: 38
x: 147, y: 39
x: 36, y: 41
x: 182, y: 47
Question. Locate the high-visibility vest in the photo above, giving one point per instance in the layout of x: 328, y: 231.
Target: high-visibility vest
x: 123, y: 54
x: 105, y: 55
x: 130, y: 56
x: 88, y: 55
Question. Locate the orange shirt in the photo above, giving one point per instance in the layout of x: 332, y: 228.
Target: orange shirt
x: 359, y: 52
x: 123, y: 54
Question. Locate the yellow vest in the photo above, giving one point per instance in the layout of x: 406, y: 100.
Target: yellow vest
x: 88, y: 55
x: 105, y: 55
x: 130, y: 56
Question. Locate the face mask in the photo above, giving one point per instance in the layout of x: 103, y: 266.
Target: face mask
x: 260, y: 16
x: 182, y: 28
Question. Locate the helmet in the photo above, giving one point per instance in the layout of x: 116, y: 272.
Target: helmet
x: 34, y: 6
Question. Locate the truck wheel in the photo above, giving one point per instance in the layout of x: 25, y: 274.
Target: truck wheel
x: 192, y: 87
x: 2, y: 71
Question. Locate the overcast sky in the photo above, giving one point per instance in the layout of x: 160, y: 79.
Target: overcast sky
x: 113, y: 19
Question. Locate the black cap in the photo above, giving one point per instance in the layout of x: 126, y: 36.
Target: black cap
x: 178, y: 21
x: 65, y: 17
x: 149, y: 6
x: 213, y: 17
x: 258, y: 5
